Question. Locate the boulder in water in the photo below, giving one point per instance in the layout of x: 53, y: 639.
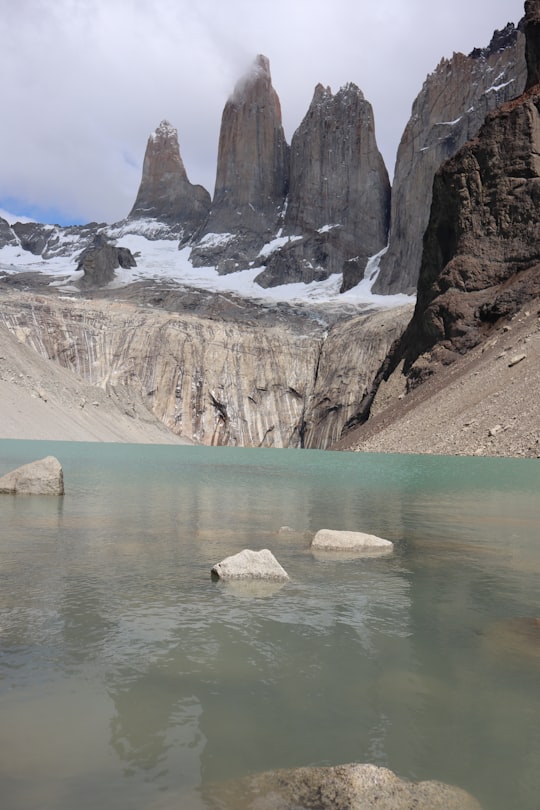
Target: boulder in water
x: 43, y: 477
x: 247, y: 564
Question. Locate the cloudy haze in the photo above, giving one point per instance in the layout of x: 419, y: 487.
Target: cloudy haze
x: 86, y: 81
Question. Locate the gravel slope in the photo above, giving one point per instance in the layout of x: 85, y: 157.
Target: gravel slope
x: 41, y: 400
x: 484, y: 404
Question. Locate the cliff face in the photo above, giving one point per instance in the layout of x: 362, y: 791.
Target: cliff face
x: 215, y: 381
x: 339, y: 196
x: 165, y: 192
x: 449, y: 110
x: 481, y: 258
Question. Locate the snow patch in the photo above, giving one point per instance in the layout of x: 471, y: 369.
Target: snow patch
x: 216, y: 239
x: 276, y: 244
x: 496, y: 87
x: 448, y: 123
x: 160, y: 260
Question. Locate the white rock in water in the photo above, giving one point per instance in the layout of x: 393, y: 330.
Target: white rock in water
x: 43, y: 477
x: 332, y: 540
x: 249, y: 564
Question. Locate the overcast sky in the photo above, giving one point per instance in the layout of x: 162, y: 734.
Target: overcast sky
x: 84, y: 82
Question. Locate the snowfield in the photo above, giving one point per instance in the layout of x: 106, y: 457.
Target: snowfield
x: 160, y: 260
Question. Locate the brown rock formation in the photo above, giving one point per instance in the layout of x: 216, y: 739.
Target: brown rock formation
x: 99, y: 261
x: 449, y: 110
x: 532, y: 32
x: 481, y: 259
x: 165, y: 192
x: 339, y: 195
x: 253, y: 156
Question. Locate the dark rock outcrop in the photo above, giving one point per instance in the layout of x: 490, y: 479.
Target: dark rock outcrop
x: 100, y: 260
x: 449, y: 111
x: 165, y: 192
x: 339, y: 197
x: 7, y: 235
x: 532, y: 33
x: 50, y: 241
x: 253, y: 165
x: 481, y: 257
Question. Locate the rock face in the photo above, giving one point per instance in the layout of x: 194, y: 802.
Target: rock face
x: 332, y: 540
x: 481, y: 258
x: 253, y: 165
x: 100, y: 260
x: 248, y: 376
x: 165, y: 192
x: 43, y: 477
x: 339, y: 197
x: 532, y: 31
x: 449, y: 110
x: 7, y: 235
x: 341, y: 787
x: 249, y: 564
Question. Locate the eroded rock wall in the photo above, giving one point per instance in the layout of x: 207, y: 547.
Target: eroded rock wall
x: 217, y: 382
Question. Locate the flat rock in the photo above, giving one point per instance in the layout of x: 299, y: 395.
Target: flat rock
x: 43, y: 477
x: 342, y: 787
x: 247, y: 564
x: 332, y: 540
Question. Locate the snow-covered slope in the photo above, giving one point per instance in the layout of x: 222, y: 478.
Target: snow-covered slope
x: 159, y: 259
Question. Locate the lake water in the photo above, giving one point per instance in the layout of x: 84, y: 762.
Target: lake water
x: 129, y: 679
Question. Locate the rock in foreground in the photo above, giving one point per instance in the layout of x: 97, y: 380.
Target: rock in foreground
x: 43, y: 477
x: 342, y: 787
x: 249, y: 564
x: 331, y: 540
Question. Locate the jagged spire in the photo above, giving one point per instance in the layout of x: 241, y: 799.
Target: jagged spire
x: 165, y: 192
x: 252, y: 168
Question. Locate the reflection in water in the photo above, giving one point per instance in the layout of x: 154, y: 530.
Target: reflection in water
x: 159, y: 684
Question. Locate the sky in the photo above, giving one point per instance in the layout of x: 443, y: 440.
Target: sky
x: 85, y: 82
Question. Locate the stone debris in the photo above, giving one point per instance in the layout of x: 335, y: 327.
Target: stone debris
x: 43, y: 477
x: 516, y: 359
x: 248, y: 564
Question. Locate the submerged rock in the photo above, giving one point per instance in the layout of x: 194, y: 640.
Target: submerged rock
x: 331, y: 540
x: 518, y: 637
x: 43, y: 477
x: 249, y: 564
x: 342, y: 787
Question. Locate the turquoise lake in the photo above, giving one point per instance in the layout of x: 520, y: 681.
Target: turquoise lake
x: 129, y: 680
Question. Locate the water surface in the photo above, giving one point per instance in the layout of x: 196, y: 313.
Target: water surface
x: 128, y: 679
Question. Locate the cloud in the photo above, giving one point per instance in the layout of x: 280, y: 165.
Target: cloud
x: 90, y: 79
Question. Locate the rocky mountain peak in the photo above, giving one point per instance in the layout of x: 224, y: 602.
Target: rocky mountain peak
x: 252, y: 168
x: 257, y: 79
x: 165, y: 192
x: 449, y: 110
x: 252, y: 174
x: 481, y: 258
x: 339, y: 192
